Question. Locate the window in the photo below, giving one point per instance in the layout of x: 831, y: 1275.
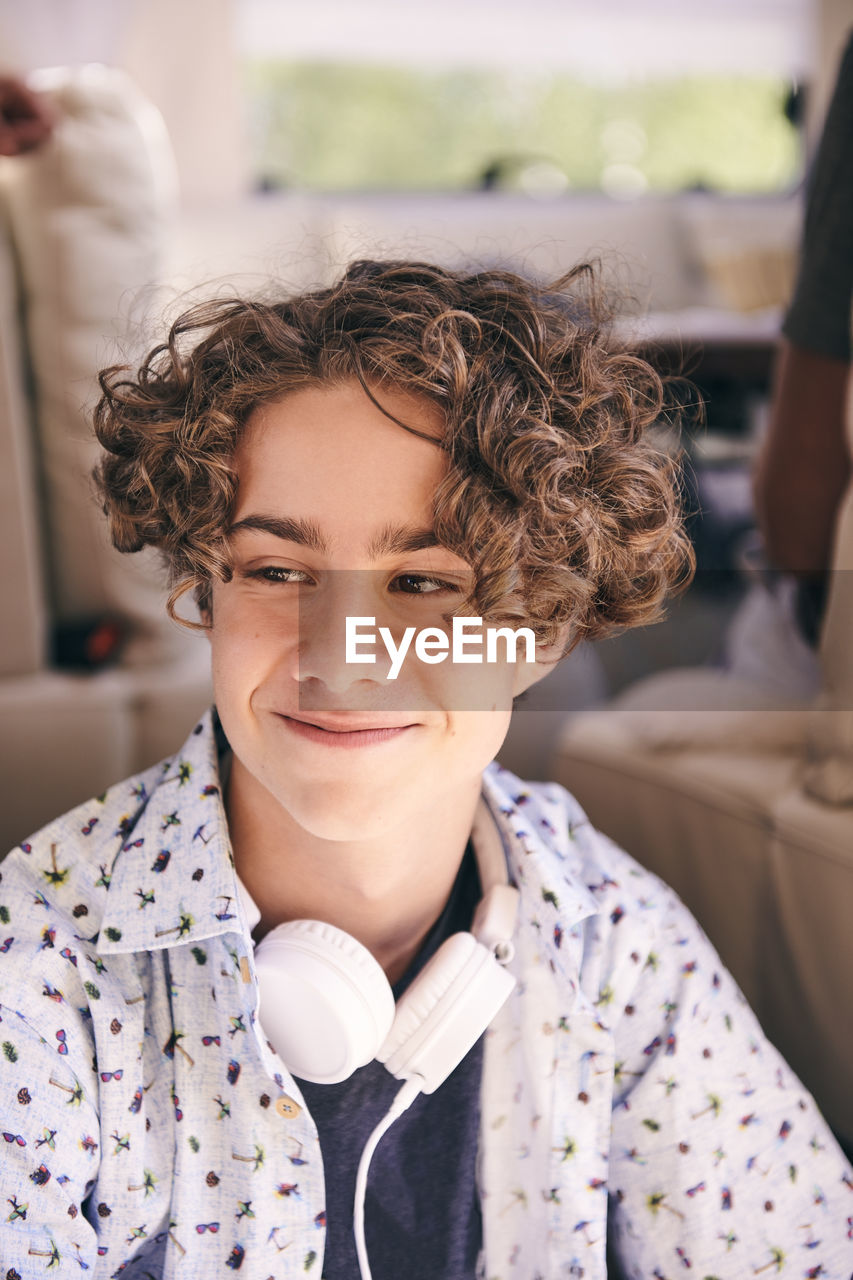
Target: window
x: 537, y: 96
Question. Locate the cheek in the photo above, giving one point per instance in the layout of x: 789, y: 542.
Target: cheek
x: 476, y: 738
x: 244, y: 645
x: 461, y: 689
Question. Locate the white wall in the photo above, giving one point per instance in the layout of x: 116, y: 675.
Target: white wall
x: 184, y: 56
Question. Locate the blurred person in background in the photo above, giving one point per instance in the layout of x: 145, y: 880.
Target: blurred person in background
x: 804, y: 466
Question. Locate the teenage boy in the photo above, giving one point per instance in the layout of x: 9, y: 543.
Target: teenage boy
x: 409, y: 445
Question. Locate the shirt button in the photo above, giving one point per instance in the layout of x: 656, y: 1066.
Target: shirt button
x: 286, y: 1107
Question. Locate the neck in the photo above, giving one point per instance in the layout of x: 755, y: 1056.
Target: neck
x: 386, y: 892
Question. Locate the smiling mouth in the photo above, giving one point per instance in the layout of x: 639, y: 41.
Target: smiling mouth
x: 343, y: 731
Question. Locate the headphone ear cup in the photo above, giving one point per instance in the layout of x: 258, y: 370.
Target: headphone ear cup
x: 325, y: 1004
x: 445, y: 1011
x: 426, y: 992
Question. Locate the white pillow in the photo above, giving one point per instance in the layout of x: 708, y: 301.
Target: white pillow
x: 91, y: 214
x: 23, y: 619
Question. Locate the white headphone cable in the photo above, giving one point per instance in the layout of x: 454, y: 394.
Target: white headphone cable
x: 402, y: 1101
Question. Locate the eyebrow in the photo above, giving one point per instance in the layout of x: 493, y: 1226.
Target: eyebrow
x: 397, y: 540
x: 305, y: 532
x: 392, y: 540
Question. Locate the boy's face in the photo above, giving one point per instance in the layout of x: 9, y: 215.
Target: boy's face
x: 329, y: 490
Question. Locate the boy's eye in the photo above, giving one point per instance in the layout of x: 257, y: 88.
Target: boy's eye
x: 278, y: 573
x: 420, y: 584
x: 413, y: 584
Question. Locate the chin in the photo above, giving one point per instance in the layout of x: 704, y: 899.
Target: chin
x: 344, y: 811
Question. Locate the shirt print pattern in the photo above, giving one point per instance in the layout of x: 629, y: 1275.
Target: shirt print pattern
x: 150, y: 1130
x: 633, y: 1078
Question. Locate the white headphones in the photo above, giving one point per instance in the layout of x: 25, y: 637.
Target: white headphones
x: 326, y: 1005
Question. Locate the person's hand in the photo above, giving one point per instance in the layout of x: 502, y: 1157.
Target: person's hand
x: 26, y: 120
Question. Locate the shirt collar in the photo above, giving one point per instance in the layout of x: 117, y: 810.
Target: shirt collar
x: 545, y: 835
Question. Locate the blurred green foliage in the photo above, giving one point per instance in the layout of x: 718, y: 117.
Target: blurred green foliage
x: 333, y: 127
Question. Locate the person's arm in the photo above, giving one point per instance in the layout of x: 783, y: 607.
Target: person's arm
x: 804, y: 466
x: 720, y: 1160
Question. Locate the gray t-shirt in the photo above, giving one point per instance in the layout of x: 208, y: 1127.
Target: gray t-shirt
x: 819, y: 315
x: 422, y: 1210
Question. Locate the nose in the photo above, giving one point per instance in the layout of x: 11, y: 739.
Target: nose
x: 321, y: 654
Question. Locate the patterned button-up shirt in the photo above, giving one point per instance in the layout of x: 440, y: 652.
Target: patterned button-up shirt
x: 150, y: 1131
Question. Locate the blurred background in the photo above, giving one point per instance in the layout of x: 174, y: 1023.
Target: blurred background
x: 610, y: 97
x: 217, y: 146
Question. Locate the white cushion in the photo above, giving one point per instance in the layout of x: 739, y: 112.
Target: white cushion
x: 807, y: 987
x: 63, y: 738
x: 23, y: 617
x: 697, y: 819
x: 66, y: 737
x: 90, y: 215
x: 700, y: 707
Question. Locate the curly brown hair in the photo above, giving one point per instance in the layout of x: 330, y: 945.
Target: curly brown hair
x: 568, y: 513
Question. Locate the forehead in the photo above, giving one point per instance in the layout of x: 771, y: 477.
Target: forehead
x: 329, y: 454
x: 343, y: 411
